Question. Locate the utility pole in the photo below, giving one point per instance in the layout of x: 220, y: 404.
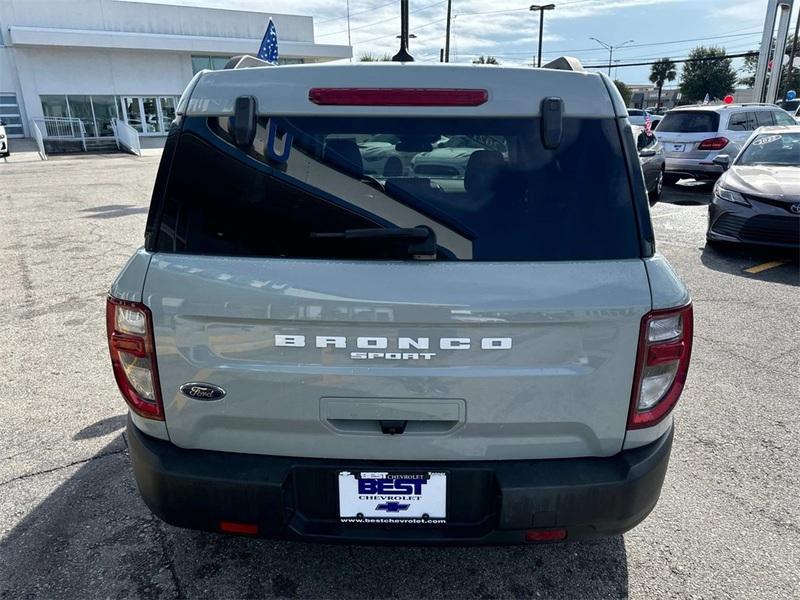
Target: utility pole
x: 541, y: 9
x: 349, y: 43
x: 447, y: 36
x: 611, y: 49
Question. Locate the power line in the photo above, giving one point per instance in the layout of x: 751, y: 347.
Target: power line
x: 524, y: 8
x: 361, y: 12
x: 368, y: 25
x: 681, y: 60
x: 559, y: 52
x: 391, y: 35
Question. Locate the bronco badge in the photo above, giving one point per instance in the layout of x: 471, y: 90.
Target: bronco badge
x: 202, y: 391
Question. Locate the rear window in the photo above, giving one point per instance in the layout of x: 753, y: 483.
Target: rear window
x: 688, y: 121
x: 487, y: 188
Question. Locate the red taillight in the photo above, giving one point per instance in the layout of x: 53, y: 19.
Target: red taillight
x: 397, y: 97
x: 662, y: 362
x: 545, y: 535
x: 717, y: 143
x: 133, y: 356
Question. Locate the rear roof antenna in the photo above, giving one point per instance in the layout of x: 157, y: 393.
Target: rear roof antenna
x: 403, y: 55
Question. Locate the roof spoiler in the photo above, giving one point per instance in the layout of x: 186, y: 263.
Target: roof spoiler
x: 565, y: 63
x: 245, y: 61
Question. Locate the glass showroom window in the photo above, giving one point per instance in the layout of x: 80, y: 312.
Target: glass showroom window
x: 209, y: 62
x: 105, y: 109
x: 54, y: 106
x: 80, y: 107
x: 95, y: 112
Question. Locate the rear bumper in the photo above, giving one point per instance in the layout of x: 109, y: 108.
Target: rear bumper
x: 487, y: 502
x: 697, y: 168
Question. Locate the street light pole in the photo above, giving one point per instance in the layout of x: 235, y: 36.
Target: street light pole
x: 611, y: 49
x: 541, y: 8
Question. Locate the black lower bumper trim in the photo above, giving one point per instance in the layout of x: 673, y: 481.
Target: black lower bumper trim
x: 489, y: 502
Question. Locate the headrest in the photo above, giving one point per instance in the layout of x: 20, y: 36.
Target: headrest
x: 344, y: 155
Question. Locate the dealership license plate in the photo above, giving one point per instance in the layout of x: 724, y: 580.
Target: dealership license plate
x: 382, y: 497
x: 677, y: 147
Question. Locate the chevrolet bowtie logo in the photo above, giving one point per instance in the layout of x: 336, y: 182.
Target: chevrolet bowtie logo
x: 392, y: 507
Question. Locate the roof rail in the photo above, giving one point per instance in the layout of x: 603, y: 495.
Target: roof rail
x: 755, y: 104
x: 246, y: 61
x: 565, y: 63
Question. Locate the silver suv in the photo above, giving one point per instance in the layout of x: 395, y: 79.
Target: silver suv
x: 314, y: 352
x: 694, y: 135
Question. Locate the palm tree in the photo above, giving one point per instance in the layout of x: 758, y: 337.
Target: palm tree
x: 661, y: 71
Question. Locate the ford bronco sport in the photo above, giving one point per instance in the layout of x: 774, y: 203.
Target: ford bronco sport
x: 481, y: 355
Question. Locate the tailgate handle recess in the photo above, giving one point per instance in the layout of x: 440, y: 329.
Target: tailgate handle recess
x: 395, y: 416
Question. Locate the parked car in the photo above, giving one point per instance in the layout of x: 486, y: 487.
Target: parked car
x: 790, y: 106
x: 312, y: 353
x: 651, y: 157
x: 4, y: 150
x: 757, y: 199
x: 639, y: 117
x: 381, y: 157
x: 694, y: 135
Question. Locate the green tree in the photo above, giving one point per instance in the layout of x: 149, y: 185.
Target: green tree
x: 748, y: 71
x: 790, y: 78
x: 489, y: 60
x: 624, y: 91
x: 370, y: 57
x: 710, y: 73
x: 661, y: 72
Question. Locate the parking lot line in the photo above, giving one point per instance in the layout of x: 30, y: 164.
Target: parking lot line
x: 764, y: 266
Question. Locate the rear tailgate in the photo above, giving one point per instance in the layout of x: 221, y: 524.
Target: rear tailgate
x: 682, y: 131
x: 561, y: 389
x: 516, y: 339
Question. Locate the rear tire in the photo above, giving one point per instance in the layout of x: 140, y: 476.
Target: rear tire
x: 671, y: 178
x: 656, y: 193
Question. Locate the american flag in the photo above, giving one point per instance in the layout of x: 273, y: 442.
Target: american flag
x: 648, y: 123
x: 269, y: 45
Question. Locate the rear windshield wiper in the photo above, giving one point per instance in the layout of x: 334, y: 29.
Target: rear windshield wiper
x: 422, y: 239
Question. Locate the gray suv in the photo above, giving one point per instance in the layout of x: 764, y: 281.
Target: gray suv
x: 313, y: 352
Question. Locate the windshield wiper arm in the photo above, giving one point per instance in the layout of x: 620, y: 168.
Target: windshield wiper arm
x: 424, y: 238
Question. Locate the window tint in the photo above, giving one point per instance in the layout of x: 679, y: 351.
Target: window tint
x: 739, y: 122
x: 687, y: 121
x: 763, y: 118
x: 781, y: 118
x: 304, y: 177
x: 635, y: 113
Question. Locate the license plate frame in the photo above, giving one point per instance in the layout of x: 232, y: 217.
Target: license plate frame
x: 392, y: 497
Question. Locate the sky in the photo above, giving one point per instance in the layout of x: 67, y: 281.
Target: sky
x: 507, y: 30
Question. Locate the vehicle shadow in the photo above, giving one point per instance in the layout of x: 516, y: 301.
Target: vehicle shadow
x: 733, y: 259
x: 111, y: 211
x: 688, y: 193
x: 92, y: 537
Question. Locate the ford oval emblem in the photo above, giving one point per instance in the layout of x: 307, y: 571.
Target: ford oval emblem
x: 202, y: 391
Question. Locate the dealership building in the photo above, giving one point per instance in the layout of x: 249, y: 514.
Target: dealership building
x: 102, y: 59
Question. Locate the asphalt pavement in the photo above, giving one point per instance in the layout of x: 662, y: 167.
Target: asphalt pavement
x: 72, y: 524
